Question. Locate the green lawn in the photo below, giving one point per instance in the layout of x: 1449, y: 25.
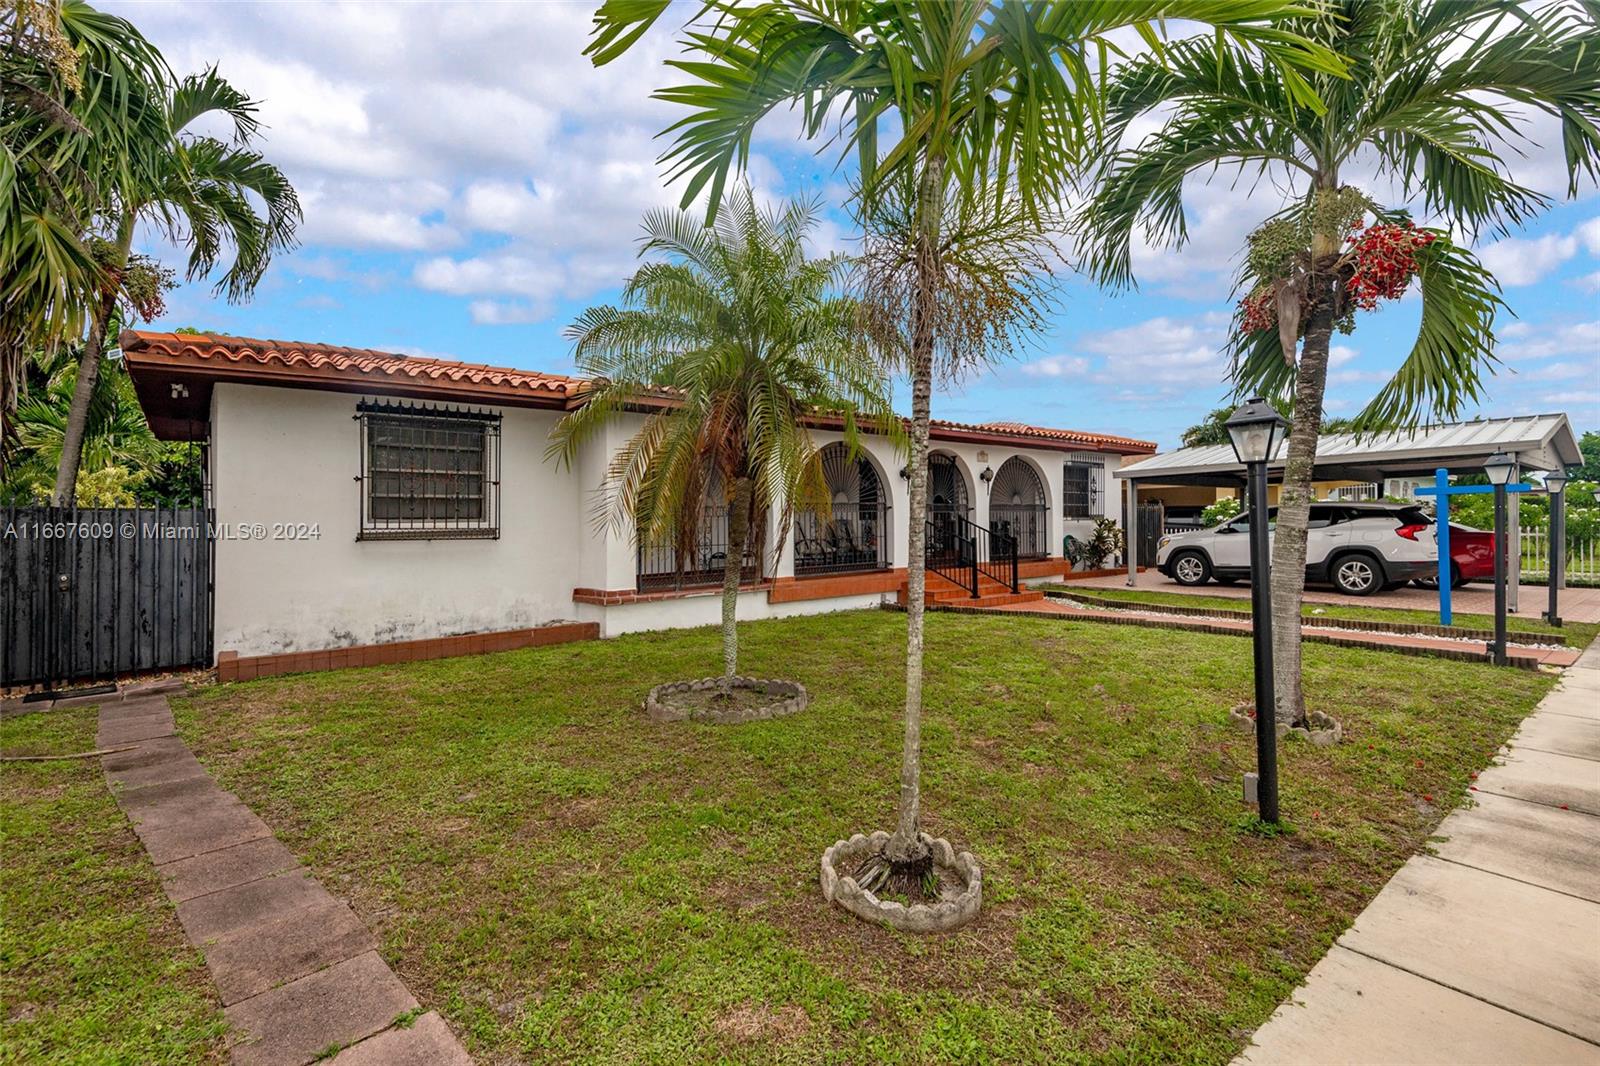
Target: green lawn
x: 566, y: 881
x: 1578, y: 634
x: 94, y: 967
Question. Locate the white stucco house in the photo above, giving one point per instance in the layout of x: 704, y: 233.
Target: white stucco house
x: 366, y: 499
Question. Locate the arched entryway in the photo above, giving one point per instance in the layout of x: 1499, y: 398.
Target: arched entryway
x: 1018, y: 507
x: 949, y: 500
x: 855, y: 534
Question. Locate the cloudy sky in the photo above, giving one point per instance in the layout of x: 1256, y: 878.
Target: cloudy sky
x: 471, y: 183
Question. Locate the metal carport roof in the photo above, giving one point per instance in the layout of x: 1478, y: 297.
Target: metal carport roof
x: 1538, y: 442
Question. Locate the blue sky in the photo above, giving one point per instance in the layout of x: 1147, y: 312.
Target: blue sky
x: 471, y: 183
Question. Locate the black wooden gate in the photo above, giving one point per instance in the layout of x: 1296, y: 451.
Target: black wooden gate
x: 1152, y: 517
x: 91, y: 594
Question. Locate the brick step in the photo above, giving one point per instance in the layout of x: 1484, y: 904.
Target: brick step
x: 942, y: 593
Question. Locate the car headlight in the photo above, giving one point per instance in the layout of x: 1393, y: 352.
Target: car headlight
x: 1163, y: 542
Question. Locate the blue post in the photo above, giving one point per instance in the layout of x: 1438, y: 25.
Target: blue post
x: 1443, y: 490
x: 1441, y: 483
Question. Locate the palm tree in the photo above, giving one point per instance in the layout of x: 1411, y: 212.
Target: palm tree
x: 975, y: 100
x: 1433, y: 88
x: 203, y: 193
x: 748, y: 341
x: 118, y: 445
x: 79, y: 115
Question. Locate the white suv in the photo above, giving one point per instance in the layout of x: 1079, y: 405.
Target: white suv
x: 1359, y: 548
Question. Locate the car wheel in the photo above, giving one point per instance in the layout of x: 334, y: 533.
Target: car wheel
x: 1357, y: 575
x: 1191, y: 568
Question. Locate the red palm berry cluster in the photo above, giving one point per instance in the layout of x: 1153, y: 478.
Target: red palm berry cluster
x: 1384, y: 258
x: 1258, y: 311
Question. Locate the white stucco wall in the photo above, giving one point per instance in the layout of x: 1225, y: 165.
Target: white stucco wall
x: 291, y: 456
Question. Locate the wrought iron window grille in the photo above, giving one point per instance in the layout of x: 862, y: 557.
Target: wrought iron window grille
x: 1080, y: 491
x: 427, y: 472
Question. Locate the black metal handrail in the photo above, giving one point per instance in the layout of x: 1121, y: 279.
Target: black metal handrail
x: 997, y: 556
x: 951, y: 552
x: 1027, y: 523
x: 959, y: 550
x: 853, y: 538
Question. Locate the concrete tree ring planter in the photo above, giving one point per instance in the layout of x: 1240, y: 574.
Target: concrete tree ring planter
x: 1243, y: 717
x: 678, y: 700
x: 960, y: 879
x: 1322, y: 730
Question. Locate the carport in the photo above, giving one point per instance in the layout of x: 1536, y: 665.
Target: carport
x: 1537, y: 442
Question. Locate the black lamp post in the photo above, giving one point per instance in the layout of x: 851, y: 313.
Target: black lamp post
x: 1257, y: 432
x: 1499, y: 466
x: 1555, y: 483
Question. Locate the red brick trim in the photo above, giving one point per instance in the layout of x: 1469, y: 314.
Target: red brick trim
x: 829, y: 586
x: 231, y: 667
x: 618, y: 597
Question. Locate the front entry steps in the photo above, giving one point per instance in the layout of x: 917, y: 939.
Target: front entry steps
x: 942, y: 592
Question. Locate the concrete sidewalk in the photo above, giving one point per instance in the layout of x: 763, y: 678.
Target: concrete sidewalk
x: 1488, y: 950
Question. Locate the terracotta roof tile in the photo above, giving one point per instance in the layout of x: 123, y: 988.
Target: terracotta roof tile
x: 216, y: 357
x: 1066, y: 436
x: 239, y: 356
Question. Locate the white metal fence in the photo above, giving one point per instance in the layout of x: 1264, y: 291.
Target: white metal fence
x: 1583, y: 557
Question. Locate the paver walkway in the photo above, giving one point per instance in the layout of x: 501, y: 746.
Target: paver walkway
x: 1488, y: 950
x: 1409, y: 642
x: 298, y: 972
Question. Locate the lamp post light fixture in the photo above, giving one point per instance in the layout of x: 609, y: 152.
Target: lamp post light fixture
x: 987, y: 477
x: 1257, y: 432
x: 1499, y: 467
x: 1555, y: 483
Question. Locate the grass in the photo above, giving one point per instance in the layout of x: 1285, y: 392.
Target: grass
x: 1578, y: 634
x: 94, y: 967
x: 566, y: 881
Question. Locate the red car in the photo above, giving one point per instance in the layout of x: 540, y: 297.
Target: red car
x: 1471, y: 556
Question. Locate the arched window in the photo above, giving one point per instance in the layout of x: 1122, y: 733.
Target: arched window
x: 947, y: 486
x: 1017, y: 507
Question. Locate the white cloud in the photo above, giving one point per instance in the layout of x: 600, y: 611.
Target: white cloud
x: 1056, y: 366
x: 1526, y: 260
x: 1589, y: 282
x: 506, y: 313
x: 1544, y: 341
x: 1588, y: 234
x: 415, y: 128
x: 1564, y: 370
x: 498, y: 273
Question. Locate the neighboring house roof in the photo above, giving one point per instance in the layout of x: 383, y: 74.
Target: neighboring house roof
x: 173, y: 374
x: 1541, y: 442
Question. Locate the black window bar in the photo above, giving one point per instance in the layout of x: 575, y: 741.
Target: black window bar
x: 854, y: 537
x: 1080, y: 491
x: 428, y: 473
x: 663, y: 568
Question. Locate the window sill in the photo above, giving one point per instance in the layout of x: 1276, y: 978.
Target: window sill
x: 428, y: 534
